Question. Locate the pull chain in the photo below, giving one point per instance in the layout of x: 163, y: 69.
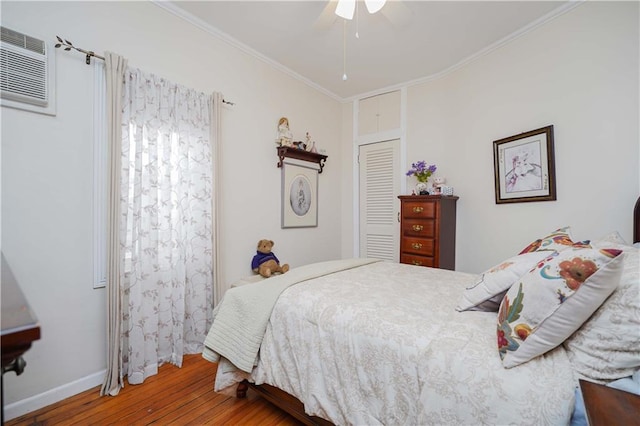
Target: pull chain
x: 344, y: 50
x: 357, y: 20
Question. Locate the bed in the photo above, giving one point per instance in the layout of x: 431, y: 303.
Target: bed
x: 368, y: 342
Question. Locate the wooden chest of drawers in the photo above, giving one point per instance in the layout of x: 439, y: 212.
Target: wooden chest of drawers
x: 428, y: 230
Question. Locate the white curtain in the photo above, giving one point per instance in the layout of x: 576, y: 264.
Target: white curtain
x: 166, y: 224
x: 115, y: 66
x: 217, y: 102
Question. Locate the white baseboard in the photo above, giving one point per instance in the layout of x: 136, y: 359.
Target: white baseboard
x: 52, y: 396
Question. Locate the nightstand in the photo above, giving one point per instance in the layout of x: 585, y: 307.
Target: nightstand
x: 609, y: 406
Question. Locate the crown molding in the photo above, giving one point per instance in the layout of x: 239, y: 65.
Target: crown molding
x: 170, y: 7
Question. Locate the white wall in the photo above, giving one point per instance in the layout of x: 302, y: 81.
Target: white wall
x: 578, y: 72
x: 47, y: 171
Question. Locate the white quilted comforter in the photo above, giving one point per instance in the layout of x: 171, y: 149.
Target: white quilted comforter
x: 383, y: 344
x: 240, y: 320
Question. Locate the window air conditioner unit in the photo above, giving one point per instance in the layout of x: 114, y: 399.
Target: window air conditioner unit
x: 27, y: 73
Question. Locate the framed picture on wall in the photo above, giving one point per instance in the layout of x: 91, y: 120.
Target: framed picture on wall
x: 299, y: 196
x: 524, y: 167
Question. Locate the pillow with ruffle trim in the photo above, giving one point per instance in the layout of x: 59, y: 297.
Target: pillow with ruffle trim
x: 558, y: 240
x: 553, y: 300
x: 486, y: 293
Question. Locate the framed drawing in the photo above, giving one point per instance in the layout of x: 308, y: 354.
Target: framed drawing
x: 299, y: 196
x: 524, y: 167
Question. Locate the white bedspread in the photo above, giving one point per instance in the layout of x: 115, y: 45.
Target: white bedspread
x: 240, y: 320
x: 383, y: 344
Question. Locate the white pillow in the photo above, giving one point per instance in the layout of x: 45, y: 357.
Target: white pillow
x: 612, y: 237
x: 487, y: 292
x: 553, y: 300
x: 607, y: 346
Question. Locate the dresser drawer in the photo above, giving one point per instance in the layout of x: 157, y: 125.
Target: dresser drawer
x: 411, y: 259
x: 418, y: 210
x: 420, y: 246
x: 425, y: 228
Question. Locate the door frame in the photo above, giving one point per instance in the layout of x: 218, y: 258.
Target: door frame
x: 400, y: 133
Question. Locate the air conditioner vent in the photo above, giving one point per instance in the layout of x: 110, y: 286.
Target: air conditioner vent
x: 23, y: 76
x: 26, y: 77
x: 22, y: 40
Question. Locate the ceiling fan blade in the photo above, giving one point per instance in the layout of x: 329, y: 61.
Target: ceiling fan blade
x: 327, y: 16
x: 346, y: 9
x: 374, y: 5
x: 398, y: 13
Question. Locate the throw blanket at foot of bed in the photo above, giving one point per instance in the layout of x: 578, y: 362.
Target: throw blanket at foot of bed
x: 241, y: 318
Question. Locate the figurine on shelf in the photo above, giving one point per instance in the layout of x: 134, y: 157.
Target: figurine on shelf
x: 284, y: 137
x: 311, y: 146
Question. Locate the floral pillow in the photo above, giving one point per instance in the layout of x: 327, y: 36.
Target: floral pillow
x: 553, y: 300
x: 486, y: 293
x: 558, y: 240
x: 607, y: 346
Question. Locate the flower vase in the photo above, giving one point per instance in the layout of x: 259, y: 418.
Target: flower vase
x: 421, y: 188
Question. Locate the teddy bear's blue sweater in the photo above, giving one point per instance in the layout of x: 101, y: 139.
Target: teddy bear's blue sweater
x: 260, y: 258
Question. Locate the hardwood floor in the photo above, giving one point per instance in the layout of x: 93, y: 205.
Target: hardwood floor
x: 176, y: 396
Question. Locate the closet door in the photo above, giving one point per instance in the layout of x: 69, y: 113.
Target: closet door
x: 379, y: 165
x: 379, y: 113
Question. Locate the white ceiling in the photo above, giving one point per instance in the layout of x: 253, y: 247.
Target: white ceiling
x: 407, y: 41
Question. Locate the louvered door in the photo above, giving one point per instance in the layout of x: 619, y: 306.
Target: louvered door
x: 379, y: 188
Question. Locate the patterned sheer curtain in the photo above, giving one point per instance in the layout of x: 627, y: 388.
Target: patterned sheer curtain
x: 166, y: 236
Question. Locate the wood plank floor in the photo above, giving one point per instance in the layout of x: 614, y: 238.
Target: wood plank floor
x: 176, y: 396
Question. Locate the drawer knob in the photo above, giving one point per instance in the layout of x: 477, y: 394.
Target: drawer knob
x: 418, y: 209
x: 416, y: 245
x: 417, y: 263
x: 418, y: 227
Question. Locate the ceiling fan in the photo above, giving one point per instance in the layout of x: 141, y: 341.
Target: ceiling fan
x: 347, y: 8
x: 395, y: 11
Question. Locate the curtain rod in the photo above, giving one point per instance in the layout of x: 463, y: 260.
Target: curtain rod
x: 89, y: 53
x: 68, y: 46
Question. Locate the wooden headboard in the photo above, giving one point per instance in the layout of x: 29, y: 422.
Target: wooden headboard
x: 636, y: 222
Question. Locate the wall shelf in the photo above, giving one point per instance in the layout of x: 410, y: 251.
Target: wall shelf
x: 300, y: 154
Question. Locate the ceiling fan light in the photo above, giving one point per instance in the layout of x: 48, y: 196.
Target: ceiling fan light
x: 346, y: 8
x: 374, y: 6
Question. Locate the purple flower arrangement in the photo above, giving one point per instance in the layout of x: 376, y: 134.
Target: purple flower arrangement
x: 421, y: 171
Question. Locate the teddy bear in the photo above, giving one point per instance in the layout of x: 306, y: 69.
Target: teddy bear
x: 438, y: 183
x: 265, y: 262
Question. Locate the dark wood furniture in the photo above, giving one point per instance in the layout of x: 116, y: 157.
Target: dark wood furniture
x: 282, y: 400
x: 608, y: 406
x: 300, y: 154
x: 636, y: 222
x: 428, y: 230
x: 19, y: 326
